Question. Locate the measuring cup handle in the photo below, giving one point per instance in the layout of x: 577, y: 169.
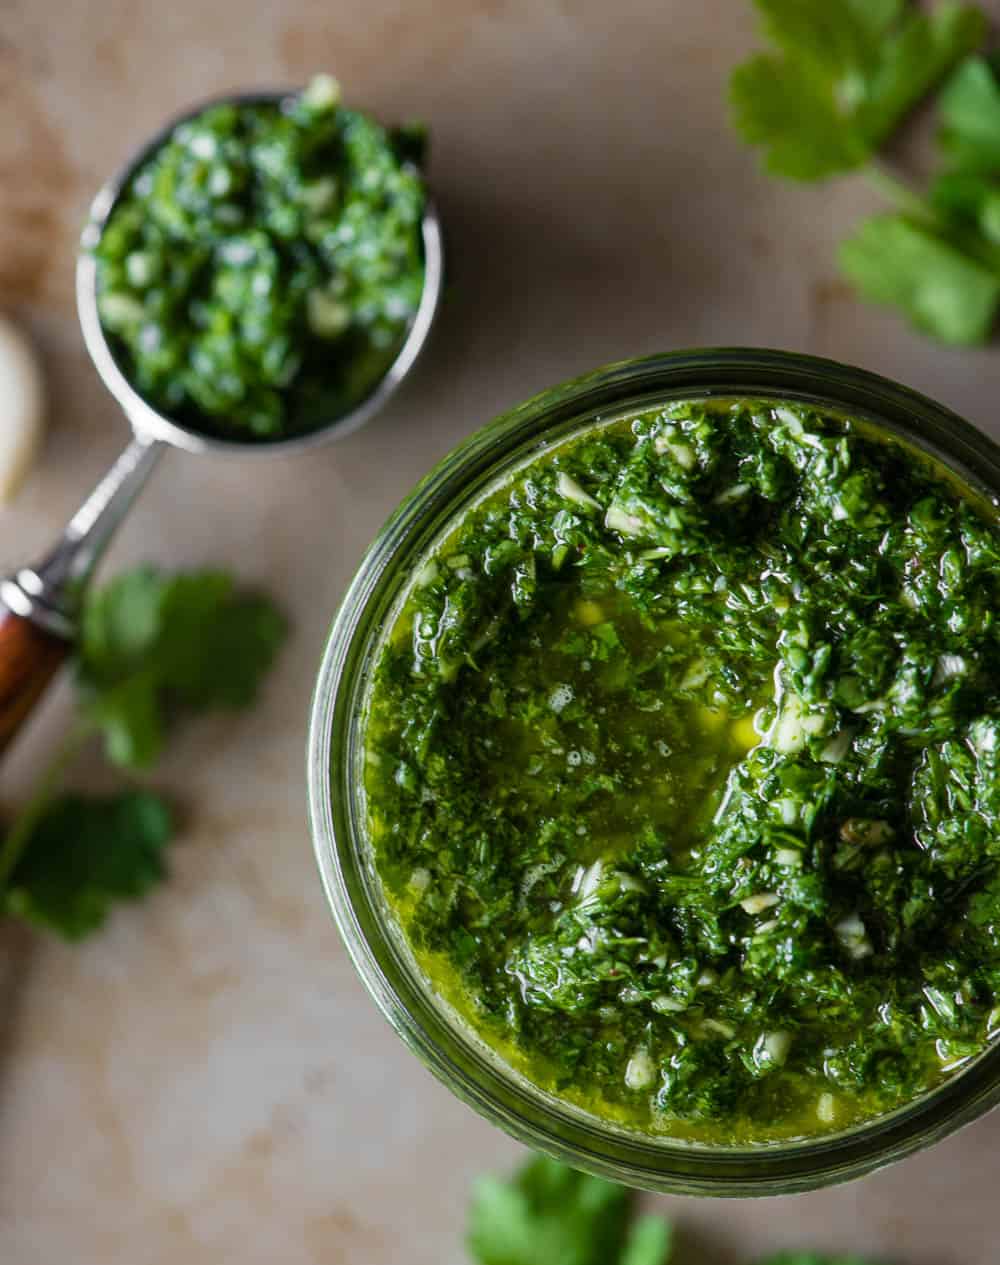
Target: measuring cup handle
x: 29, y: 658
x: 40, y: 605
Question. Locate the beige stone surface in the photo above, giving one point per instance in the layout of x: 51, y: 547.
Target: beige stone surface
x: 206, y: 1081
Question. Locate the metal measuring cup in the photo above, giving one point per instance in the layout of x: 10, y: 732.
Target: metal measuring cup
x: 40, y: 605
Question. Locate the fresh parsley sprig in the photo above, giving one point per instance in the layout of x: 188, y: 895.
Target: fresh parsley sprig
x: 844, y: 75
x: 548, y: 1214
x: 83, y: 855
x: 153, y: 648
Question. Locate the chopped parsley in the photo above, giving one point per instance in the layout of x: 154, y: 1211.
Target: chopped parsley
x: 261, y: 269
x: 684, y: 771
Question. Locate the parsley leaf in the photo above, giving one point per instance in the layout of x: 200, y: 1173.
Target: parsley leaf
x: 548, y: 1214
x: 84, y: 855
x: 938, y: 287
x: 971, y: 199
x: 832, y: 37
x: 926, y: 47
x: 784, y: 106
x: 650, y: 1242
x: 152, y: 644
x: 845, y: 75
x: 970, y: 117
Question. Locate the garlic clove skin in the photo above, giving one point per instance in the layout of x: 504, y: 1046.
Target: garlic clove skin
x: 22, y: 409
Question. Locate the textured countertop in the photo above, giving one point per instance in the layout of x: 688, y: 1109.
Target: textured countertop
x: 206, y: 1081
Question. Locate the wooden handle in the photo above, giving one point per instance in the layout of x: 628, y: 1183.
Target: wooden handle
x: 29, y: 659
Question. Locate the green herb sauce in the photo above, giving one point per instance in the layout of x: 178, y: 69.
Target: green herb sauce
x: 683, y: 772
x: 261, y: 269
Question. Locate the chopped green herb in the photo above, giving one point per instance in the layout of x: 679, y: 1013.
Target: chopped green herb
x: 261, y: 269
x: 685, y: 781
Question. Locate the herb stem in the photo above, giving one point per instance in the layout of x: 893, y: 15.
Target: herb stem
x: 18, y: 836
x: 897, y: 191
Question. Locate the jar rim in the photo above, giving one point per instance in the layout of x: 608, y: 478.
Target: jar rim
x: 448, y: 1047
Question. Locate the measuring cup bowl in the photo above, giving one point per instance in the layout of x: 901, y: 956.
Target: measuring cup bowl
x: 40, y: 604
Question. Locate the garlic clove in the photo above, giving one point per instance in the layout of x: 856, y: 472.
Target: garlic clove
x: 22, y: 406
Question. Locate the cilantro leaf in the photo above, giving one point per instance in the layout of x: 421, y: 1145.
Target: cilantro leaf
x: 970, y: 117
x: 153, y: 644
x: 940, y: 289
x: 845, y: 76
x: 971, y: 199
x: 85, y: 854
x: 960, y: 196
x: 834, y: 37
x: 649, y: 1242
x: 121, y: 620
x: 548, y: 1214
x: 925, y: 49
x: 785, y: 107
x: 220, y: 642
x: 129, y: 717
x: 150, y: 646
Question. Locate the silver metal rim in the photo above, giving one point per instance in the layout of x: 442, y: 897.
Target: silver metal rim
x: 148, y: 421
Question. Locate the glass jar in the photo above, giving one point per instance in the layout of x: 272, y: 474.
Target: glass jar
x: 444, y: 1043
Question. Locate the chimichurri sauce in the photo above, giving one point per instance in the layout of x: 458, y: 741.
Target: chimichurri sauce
x: 683, y: 771
x: 261, y: 269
